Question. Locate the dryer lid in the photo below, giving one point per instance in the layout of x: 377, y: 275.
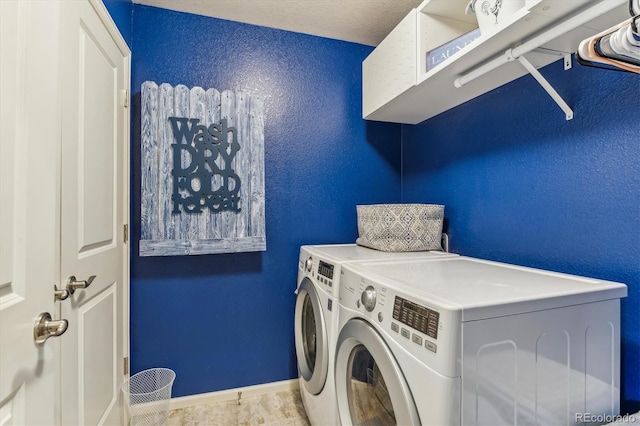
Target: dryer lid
x: 483, y: 289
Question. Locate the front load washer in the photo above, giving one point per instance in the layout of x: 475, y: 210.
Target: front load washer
x: 473, y: 342
x: 316, y: 319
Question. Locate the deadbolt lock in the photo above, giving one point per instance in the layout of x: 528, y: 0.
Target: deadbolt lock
x: 74, y: 284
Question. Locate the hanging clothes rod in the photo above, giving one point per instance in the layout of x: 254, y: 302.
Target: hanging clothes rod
x: 537, y: 41
x: 611, y: 49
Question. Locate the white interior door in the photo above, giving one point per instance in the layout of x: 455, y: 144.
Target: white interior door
x: 29, y: 129
x: 94, y: 76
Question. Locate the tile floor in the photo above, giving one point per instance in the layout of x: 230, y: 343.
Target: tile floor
x: 281, y: 409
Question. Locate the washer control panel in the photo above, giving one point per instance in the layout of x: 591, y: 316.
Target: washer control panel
x: 368, y: 298
x: 308, y: 265
x: 423, y: 319
x: 322, y: 272
x: 325, y: 269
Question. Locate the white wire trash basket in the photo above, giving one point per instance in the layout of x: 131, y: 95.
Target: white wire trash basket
x: 147, y: 395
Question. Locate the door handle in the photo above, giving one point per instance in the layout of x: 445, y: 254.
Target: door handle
x: 45, y: 327
x: 73, y: 284
x: 61, y: 294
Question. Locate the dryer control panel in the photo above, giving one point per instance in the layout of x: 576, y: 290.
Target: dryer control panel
x: 423, y: 319
x: 427, y: 328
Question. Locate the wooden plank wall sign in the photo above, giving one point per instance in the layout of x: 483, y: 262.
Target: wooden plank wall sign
x: 202, y: 171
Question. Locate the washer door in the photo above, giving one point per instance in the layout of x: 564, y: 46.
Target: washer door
x: 311, y: 338
x: 370, y: 386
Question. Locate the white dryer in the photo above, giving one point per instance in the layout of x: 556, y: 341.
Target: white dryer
x: 467, y: 341
x: 316, y: 319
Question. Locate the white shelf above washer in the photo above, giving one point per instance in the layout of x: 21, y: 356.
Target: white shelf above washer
x: 391, y: 94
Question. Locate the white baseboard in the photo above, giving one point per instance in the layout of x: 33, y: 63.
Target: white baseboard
x: 233, y: 394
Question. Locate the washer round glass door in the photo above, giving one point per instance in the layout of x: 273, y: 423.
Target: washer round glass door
x: 370, y: 386
x: 311, y: 338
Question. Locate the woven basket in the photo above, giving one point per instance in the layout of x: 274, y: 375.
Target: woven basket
x: 400, y: 227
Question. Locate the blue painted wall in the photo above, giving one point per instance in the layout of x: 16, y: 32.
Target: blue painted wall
x: 225, y: 321
x: 519, y: 183
x: 524, y: 186
x: 121, y: 12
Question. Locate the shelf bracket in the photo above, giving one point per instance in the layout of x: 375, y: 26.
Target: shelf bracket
x: 567, y: 61
x: 566, y: 56
x: 546, y: 86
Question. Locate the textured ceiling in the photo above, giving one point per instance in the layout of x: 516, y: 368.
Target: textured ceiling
x: 358, y: 21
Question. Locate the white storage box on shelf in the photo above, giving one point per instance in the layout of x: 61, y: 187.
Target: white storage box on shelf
x: 397, y: 87
x: 391, y: 68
